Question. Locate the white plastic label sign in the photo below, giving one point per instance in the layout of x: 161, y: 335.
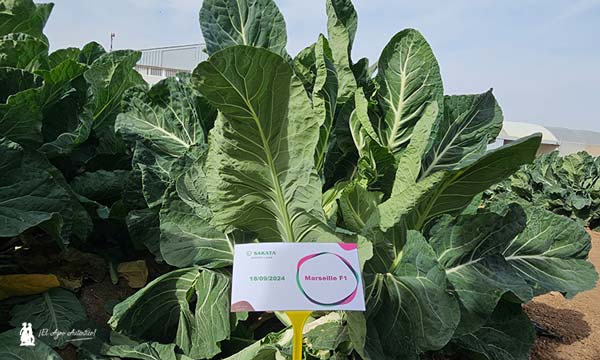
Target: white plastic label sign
x: 296, y: 276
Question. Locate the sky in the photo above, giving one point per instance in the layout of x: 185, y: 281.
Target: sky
x: 542, y: 57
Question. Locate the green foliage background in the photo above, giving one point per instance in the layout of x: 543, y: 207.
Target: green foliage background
x: 566, y: 185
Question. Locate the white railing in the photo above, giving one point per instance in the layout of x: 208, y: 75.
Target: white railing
x: 156, y: 64
x: 158, y: 71
x: 175, y: 57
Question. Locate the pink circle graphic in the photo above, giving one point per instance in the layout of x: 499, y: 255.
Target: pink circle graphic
x: 347, y: 299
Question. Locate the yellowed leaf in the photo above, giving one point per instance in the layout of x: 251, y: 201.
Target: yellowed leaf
x: 26, y: 284
x: 135, y: 272
x: 72, y: 283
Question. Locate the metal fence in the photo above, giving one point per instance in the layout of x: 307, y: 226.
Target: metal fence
x: 167, y: 61
x: 158, y: 71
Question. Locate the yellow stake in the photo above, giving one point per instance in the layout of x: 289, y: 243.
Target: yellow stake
x: 298, y: 318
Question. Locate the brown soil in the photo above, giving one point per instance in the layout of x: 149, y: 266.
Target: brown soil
x: 97, y: 299
x: 573, y: 326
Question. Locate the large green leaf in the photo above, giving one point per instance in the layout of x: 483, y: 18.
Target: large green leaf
x: 22, y: 51
x: 264, y: 349
x: 133, y: 197
x: 461, y: 186
x: 260, y: 165
x: 63, y: 142
x: 376, y: 165
x: 467, y: 125
x: 60, y: 55
x: 508, y: 335
x: 58, y: 81
x: 109, y: 77
x: 16, y: 80
x: 91, y: 52
x: 409, y: 80
x: 305, y: 67
x: 187, y: 237
x: 56, y: 309
x: 527, y: 252
x: 102, y: 186
x: 550, y: 254
x: 196, y: 330
x: 357, y: 332
x: 324, y: 97
x: 326, y: 337
x: 10, y: 349
x: 144, y: 192
x: 360, y: 124
x: 170, y: 118
x: 143, y: 226
x: 24, y: 16
x: 177, y: 189
x: 65, y: 125
x: 228, y: 23
x: 363, y: 74
x: 156, y: 173
x: 21, y: 117
x: 357, y: 206
x: 144, y: 351
x: 448, y: 192
x: 408, y: 304
x: 342, y: 154
x: 409, y: 161
x: 29, y: 193
x: 470, y: 250
x: 341, y: 28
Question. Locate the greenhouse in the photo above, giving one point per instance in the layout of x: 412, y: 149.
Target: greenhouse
x: 566, y: 141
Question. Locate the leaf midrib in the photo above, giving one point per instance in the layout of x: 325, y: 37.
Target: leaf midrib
x: 439, y: 156
x: 51, y: 310
x: 401, y: 102
x: 280, y: 199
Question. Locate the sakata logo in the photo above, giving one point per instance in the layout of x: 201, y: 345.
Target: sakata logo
x: 260, y: 253
x: 27, y: 338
